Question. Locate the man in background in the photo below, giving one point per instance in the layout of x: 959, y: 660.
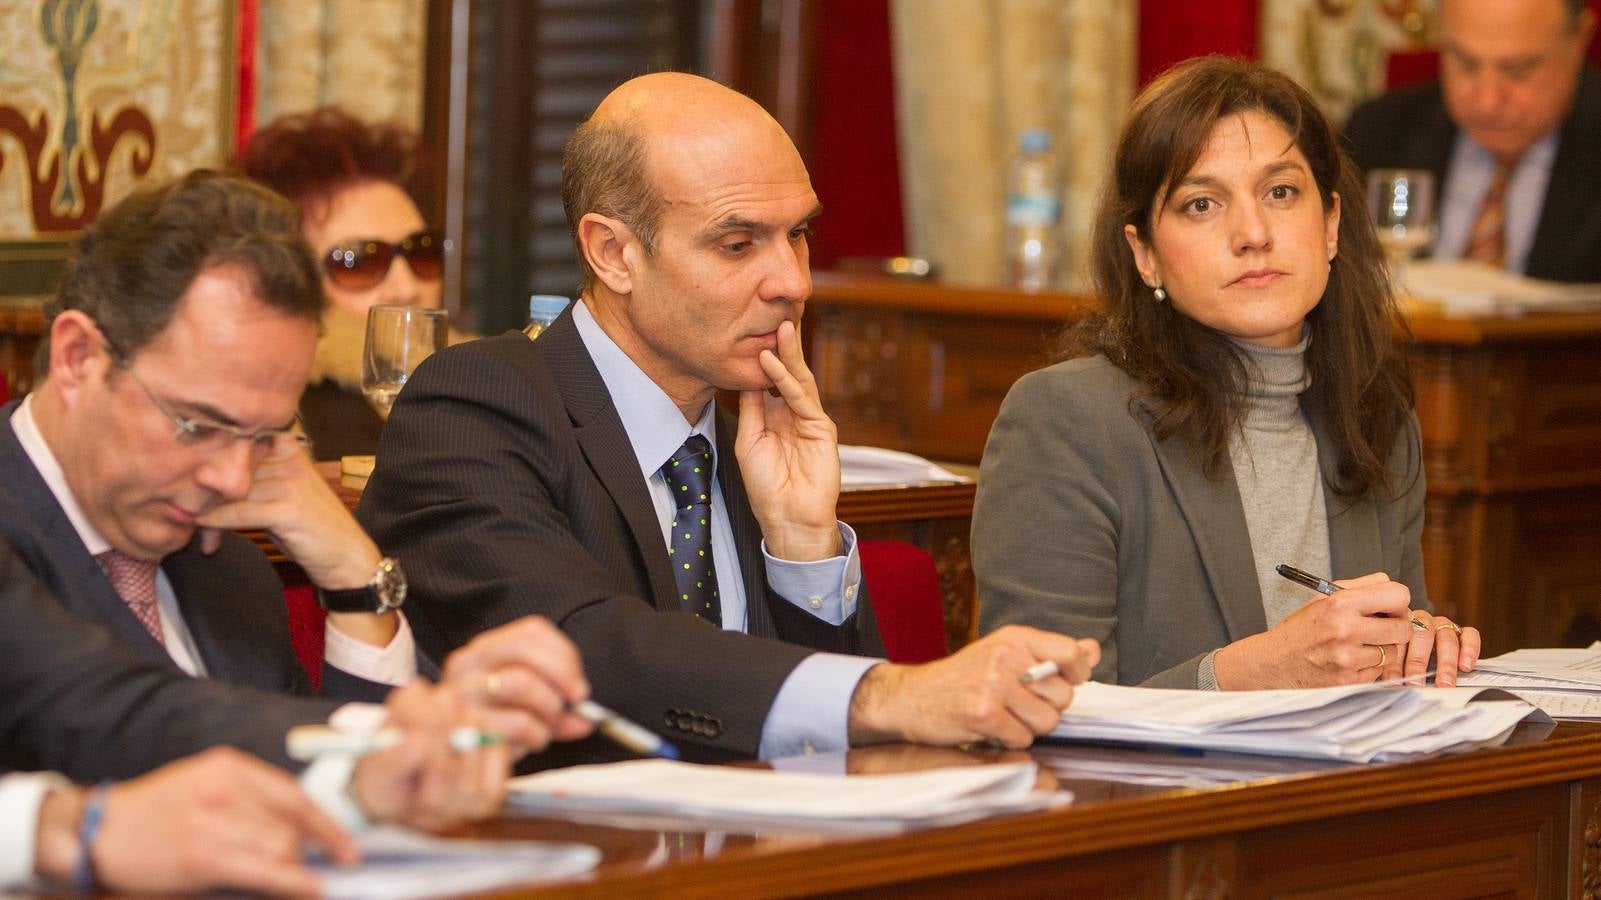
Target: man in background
x: 589, y: 476
x: 1512, y: 133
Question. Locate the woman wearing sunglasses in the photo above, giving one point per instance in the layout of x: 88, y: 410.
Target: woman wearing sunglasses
x: 352, y: 182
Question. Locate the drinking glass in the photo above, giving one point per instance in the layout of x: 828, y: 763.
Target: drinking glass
x: 1402, y: 201
x: 398, y: 338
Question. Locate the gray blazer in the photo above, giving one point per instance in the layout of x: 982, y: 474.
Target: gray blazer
x: 1086, y: 524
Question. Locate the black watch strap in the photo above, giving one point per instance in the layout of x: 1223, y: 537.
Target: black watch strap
x: 385, y: 592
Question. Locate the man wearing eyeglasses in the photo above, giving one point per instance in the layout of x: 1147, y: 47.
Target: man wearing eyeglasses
x: 177, y: 348
x: 1512, y: 133
x: 588, y: 476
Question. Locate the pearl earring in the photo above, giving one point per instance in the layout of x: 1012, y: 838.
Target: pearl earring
x: 1160, y: 294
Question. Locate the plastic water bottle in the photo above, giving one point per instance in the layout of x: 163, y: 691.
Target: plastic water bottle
x: 543, y: 310
x: 1033, y: 213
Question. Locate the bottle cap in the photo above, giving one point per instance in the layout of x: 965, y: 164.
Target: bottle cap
x: 1035, y: 140
x: 546, y: 307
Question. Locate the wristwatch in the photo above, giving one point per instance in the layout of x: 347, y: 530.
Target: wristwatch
x: 386, y: 591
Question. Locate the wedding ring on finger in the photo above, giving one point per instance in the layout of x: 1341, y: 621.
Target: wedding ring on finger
x: 1384, y: 657
x: 1443, y: 624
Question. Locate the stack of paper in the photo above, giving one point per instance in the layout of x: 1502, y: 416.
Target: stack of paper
x: 1467, y: 288
x: 1360, y: 723
x: 876, y: 466
x: 1565, y: 682
x: 642, y: 793
x: 398, y: 863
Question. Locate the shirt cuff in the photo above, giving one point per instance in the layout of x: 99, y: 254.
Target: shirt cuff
x: 21, y: 795
x: 1205, y: 675
x: 395, y: 664
x: 827, y: 588
x: 811, y: 713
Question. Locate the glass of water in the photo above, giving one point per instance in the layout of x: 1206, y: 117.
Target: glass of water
x: 398, y: 338
x: 1402, y: 202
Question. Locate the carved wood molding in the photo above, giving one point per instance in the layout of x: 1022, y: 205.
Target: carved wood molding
x: 1204, y: 870
x: 1592, y: 853
x: 958, y: 588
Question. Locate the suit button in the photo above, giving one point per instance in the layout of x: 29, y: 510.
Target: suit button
x: 714, y: 728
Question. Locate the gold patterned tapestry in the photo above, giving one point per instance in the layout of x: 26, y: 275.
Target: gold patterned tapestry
x: 363, y: 55
x: 1338, y: 48
x: 96, y: 96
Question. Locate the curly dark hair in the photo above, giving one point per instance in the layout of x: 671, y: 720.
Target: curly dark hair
x: 309, y: 157
x: 1193, y: 379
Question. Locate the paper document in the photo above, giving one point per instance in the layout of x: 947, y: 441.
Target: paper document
x: 877, y: 466
x: 1563, y: 681
x: 1467, y: 288
x: 1360, y: 723
x: 736, y: 798
x: 397, y: 863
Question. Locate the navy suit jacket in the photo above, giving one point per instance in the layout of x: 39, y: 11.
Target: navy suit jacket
x: 79, y: 701
x: 1410, y: 129
x: 507, y: 484
x: 232, y: 601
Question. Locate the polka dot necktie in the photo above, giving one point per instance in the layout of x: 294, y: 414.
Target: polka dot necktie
x: 689, y: 476
x: 135, y: 582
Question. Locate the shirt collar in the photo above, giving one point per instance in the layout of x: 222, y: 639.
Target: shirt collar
x: 1539, y: 155
x: 33, y: 444
x: 655, y: 426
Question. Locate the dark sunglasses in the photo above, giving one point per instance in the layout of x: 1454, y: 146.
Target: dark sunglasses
x: 358, y: 265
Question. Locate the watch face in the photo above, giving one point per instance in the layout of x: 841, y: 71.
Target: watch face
x: 391, y: 584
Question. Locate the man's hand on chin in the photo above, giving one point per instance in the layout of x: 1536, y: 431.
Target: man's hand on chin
x: 788, y: 451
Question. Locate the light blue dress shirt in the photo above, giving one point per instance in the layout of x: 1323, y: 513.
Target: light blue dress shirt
x: 813, y: 705
x: 1472, y: 168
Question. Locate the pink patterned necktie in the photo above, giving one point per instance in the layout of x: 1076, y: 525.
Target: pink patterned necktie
x: 135, y: 582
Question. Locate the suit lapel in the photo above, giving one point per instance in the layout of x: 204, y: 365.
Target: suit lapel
x: 747, y: 531
x: 1353, y: 524
x: 217, y: 622
x: 43, y: 535
x: 606, y: 449
x: 1570, y: 208
x: 1216, y: 519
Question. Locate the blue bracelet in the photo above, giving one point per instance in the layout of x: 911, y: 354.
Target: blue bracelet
x: 84, y: 880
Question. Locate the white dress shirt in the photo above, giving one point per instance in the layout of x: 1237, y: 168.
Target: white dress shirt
x: 1472, y: 168
x: 813, y: 705
x: 394, y: 664
x: 21, y: 795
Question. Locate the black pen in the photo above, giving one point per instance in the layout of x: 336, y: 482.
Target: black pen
x: 1321, y: 585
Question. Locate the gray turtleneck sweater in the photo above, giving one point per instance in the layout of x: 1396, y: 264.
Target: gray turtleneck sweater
x: 1274, y: 456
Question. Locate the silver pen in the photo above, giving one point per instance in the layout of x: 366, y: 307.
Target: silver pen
x: 634, y: 737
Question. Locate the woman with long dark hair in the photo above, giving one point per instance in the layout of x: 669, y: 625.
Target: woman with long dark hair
x: 1242, y: 403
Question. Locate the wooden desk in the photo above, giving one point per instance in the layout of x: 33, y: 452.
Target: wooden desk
x: 936, y: 517
x: 1518, y: 821
x: 1510, y: 409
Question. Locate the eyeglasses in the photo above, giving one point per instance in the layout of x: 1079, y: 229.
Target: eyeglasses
x: 202, y: 433
x: 358, y: 265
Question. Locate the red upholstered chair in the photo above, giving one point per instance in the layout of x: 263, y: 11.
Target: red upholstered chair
x: 904, y: 584
x: 5, y: 395
x: 305, y: 629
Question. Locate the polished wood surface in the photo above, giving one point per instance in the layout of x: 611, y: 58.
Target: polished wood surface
x: 1517, y: 821
x: 936, y: 516
x: 1510, y: 408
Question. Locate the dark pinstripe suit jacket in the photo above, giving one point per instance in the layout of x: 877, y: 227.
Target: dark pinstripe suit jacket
x: 78, y: 701
x: 232, y: 601
x: 507, y: 485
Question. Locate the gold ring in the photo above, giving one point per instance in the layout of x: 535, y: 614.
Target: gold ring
x: 492, y: 685
x: 1443, y: 624
x: 1384, y: 656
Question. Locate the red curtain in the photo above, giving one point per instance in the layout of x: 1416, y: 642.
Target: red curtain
x: 1174, y: 30
x: 854, y: 163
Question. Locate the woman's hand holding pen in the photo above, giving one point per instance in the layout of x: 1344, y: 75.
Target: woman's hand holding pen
x: 1348, y: 637
x: 1455, y: 649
